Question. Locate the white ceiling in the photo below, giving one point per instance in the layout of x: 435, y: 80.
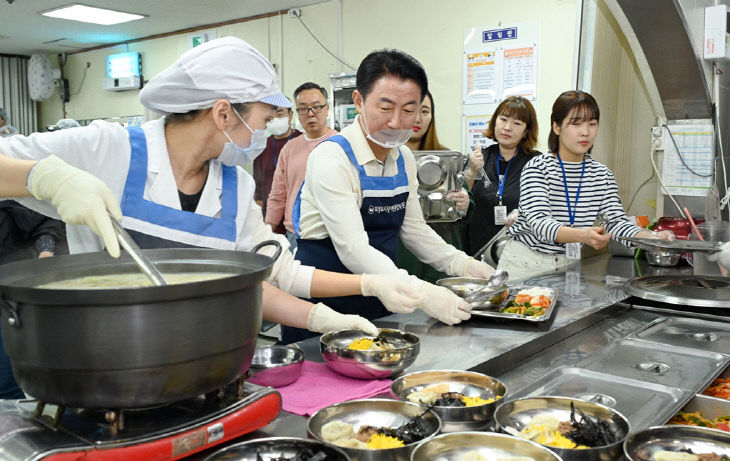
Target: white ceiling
x: 23, y: 31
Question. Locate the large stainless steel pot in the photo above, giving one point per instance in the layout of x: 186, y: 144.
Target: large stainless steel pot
x: 131, y: 347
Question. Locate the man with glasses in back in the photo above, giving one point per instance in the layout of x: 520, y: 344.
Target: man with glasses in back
x: 310, y: 100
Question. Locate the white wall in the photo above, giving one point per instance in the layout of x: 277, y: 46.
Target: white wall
x: 430, y: 30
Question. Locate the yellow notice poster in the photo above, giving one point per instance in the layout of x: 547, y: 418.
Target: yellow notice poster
x: 480, y: 77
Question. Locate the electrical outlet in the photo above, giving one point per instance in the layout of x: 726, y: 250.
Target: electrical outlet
x: 295, y: 13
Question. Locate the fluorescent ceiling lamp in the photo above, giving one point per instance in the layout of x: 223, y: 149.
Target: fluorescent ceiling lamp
x: 83, y: 13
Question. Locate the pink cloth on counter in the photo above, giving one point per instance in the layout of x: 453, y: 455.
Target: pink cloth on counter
x: 318, y: 387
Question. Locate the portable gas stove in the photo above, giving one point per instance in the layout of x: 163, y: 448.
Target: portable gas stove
x: 31, y: 431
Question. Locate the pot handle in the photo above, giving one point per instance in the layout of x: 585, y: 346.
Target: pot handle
x: 260, y: 245
x: 12, y: 308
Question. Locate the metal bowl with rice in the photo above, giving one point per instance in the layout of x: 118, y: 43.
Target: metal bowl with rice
x: 514, y: 416
x: 369, y: 364
x: 459, y: 446
x: 468, y: 383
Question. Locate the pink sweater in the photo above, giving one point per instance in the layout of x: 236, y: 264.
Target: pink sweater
x: 288, y: 178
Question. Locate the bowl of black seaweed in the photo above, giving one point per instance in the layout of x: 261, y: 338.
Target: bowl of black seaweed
x: 374, y: 429
x: 464, y: 400
x: 290, y: 448
x: 574, y: 429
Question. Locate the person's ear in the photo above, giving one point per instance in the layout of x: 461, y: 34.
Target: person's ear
x: 222, y: 113
x: 556, y: 128
x: 358, y: 100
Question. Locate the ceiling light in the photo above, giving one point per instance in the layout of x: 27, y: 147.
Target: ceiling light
x: 83, y: 13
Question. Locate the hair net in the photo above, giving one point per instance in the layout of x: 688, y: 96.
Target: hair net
x: 225, y: 68
x: 66, y: 123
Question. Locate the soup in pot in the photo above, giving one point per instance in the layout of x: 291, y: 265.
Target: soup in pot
x: 132, y: 280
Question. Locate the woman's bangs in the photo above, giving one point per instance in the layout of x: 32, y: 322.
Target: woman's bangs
x: 583, y: 112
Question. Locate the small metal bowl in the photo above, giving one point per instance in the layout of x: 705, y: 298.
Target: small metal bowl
x: 276, y: 366
x: 275, y: 448
x: 469, y: 383
x: 518, y: 414
x: 466, y: 286
x: 646, y: 443
x: 369, y: 364
x: 455, y: 447
x: 662, y: 258
x: 374, y: 412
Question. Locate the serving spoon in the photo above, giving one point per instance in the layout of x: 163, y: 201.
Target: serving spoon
x: 144, y: 264
x: 497, y: 279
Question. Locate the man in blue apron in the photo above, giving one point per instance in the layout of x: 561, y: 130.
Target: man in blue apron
x: 359, y: 195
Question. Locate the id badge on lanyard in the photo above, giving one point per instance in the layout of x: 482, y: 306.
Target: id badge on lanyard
x: 572, y: 249
x: 500, y: 211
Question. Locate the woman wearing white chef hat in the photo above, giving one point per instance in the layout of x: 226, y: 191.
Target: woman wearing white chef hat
x: 178, y: 183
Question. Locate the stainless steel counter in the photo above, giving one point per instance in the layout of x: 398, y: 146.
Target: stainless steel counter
x: 590, y: 314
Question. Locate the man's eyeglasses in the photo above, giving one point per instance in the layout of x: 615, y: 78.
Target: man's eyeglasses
x: 314, y: 109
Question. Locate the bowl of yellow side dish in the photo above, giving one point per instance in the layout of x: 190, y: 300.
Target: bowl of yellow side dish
x: 464, y: 400
x: 353, y: 353
x: 574, y: 429
x: 374, y: 429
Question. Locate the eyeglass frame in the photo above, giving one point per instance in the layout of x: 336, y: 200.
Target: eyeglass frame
x: 315, y: 109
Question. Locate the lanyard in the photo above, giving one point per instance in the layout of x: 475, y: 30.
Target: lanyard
x: 502, y: 178
x: 571, y: 213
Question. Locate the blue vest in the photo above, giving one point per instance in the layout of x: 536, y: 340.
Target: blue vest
x: 382, y: 211
x: 134, y: 204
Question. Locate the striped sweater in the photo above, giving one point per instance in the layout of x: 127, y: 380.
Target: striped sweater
x: 543, y: 208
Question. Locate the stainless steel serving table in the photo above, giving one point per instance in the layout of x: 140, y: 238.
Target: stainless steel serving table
x: 591, y: 314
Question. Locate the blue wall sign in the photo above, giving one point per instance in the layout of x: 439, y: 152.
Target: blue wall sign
x: 494, y: 35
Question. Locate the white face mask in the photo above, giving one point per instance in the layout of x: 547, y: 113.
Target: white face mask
x: 235, y: 155
x: 278, y: 126
x: 388, y: 138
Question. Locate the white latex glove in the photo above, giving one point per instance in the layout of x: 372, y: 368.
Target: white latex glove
x: 79, y: 197
x: 322, y: 319
x: 476, y: 162
x: 396, y: 294
x: 511, y: 218
x: 478, y: 269
x: 663, y: 235
x: 460, y: 199
x: 722, y: 256
x: 440, y: 303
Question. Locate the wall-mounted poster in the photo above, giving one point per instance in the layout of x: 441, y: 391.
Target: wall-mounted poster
x: 480, y: 77
x: 519, y: 72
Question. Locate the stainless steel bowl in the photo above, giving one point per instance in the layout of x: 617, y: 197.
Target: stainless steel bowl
x: 275, y: 448
x: 375, y: 412
x: 646, y: 443
x: 662, y: 258
x: 369, y: 364
x: 456, y: 446
x: 276, y: 366
x: 469, y: 383
x: 466, y: 286
x: 518, y: 413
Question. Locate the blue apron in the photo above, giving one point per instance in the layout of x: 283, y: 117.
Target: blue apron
x: 382, y: 211
x: 161, y: 217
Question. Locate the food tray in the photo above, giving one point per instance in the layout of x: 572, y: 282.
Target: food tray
x: 275, y: 448
x: 456, y: 446
x: 677, y: 246
x: 511, y: 293
x: 692, y: 333
x: 671, y: 366
x: 643, y: 445
x: 643, y: 403
x: 710, y: 407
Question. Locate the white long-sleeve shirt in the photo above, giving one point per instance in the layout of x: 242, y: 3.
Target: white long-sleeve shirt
x: 103, y: 149
x: 544, y: 210
x: 332, y: 197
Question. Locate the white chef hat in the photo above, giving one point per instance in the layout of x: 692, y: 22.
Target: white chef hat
x: 225, y: 68
x: 66, y: 123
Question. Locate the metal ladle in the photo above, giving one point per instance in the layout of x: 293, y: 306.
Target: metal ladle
x: 144, y: 264
x: 497, y: 279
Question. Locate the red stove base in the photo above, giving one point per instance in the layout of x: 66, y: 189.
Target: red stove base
x: 255, y: 415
